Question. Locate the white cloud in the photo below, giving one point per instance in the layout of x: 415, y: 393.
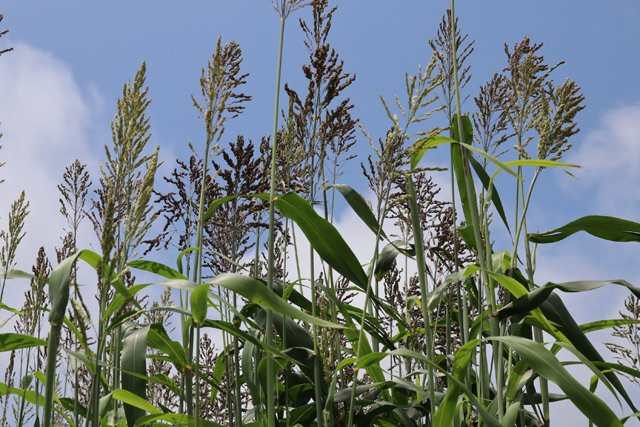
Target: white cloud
x: 46, y: 119
x: 610, y: 155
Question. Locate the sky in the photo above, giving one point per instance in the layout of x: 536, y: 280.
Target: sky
x: 58, y: 92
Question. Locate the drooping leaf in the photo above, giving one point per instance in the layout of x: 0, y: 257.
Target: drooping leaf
x: 159, y: 339
x: 487, y: 184
x: 324, y: 238
x: 156, y: 268
x: 11, y: 341
x: 133, y: 400
x: 556, y: 312
x: 255, y: 291
x: 322, y: 235
x: 535, y: 298
x: 360, y: 207
x: 389, y: 254
x: 546, y: 364
x: 604, y: 227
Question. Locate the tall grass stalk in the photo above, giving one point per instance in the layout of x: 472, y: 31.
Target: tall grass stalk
x: 495, y: 331
x: 271, y: 422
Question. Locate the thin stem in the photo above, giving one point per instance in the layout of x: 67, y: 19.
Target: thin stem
x: 428, y: 320
x: 270, y: 374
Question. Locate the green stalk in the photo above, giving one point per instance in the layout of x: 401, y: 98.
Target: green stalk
x: 49, y: 386
x: 497, y: 349
x: 197, y: 412
x: 270, y: 374
x: 428, y: 320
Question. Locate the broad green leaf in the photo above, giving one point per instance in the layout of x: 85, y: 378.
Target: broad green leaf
x: 360, y: 207
x: 322, y: 235
x: 11, y: 341
x: 156, y: 268
x: 297, y: 336
x: 388, y: 255
x: 370, y: 359
x: 425, y: 145
x: 136, y: 401
x: 467, y: 205
x: 324, y: 238
x: 585, y: 361
x: 517, y: 374
x: 15, y: 274
x: 159, y: 339
x: 199, y: 304
x: 511, y: 413
x: 535, y: 298
x: 134, y: 359
x: 556, y: 313
x: 604, y: 227
x: 59, y: 281
x: 546, y: 365
x: 255, y: 291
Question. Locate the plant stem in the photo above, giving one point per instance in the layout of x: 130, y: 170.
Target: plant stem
x: 269, y: 332
x: 497, y: 349
x: 428, y: 320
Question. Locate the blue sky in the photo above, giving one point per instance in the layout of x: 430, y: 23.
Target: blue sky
x: 58, y: 91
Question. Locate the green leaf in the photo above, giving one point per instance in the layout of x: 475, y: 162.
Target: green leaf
x: 370, y: 359
x: 488, y: 184
x: 10, y: 342
x: 604, y: 324
x: 535, y: 298
x: 324, y: 238
x: 546, y: 365
x: 486, y: 417
x: 604, y: 227
x: 59, y: 281
x: 134, y: 352
x: 3, y: 306
x: 180, y: 419
x: 322, y: 235
x: 297, y: 336
x: 232, y: 329
x: 447, y: 409
x: 156, y: 268
x: 467, y: 205
x: 389, y: 254
x: 255, y: 291
x: 134, y: 400
x: 555, y: 312
x: 199, y: 304
x: 159, y: 339
x: 360, y: 207
x: 425, y: 145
